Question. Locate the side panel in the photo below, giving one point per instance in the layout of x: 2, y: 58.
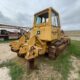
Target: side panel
x: 44, y: 33
x: 55, y: 33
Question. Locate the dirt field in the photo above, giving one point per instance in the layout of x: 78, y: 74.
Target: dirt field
x: 4, y: 74
x: 45, y: 72
x: 5, y: 52
x: 5, y: 55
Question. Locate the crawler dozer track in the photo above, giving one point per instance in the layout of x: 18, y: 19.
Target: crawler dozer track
x: 54, y: 49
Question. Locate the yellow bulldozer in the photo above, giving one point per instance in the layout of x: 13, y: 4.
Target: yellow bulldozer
x: 46, y: 37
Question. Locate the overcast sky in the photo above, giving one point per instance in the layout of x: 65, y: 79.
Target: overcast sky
x: 20, y: 12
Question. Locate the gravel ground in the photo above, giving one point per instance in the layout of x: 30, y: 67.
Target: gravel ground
x: 5, y: 52
x: 74, y: 72
x: 4, y: 74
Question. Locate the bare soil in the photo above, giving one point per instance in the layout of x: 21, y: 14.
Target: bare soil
x: 5, y: 52
x: 4, y: 74
x: 74, y: 72
x: 45, y: 72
